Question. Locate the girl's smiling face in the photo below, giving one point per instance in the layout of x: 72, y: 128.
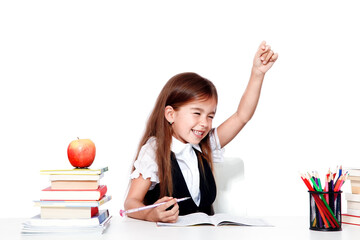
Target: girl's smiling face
x: 193, y: 121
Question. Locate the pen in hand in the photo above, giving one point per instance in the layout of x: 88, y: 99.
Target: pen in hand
x: 124, y: 212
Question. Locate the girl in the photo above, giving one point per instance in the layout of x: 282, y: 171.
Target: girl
x: 176, y: 153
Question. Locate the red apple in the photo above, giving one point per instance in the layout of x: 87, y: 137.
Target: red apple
x: 81, y: 153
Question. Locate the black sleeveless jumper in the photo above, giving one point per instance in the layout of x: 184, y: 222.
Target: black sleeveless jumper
x: 180, y: 189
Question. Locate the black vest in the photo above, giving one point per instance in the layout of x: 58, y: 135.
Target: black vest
x: 180, y: 190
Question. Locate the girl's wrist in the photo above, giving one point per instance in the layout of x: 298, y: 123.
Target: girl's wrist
x: 257, y: 73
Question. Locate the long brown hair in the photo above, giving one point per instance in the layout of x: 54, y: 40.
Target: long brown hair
x: 179, y: 90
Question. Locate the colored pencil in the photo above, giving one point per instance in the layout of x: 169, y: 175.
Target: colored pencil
x: 317, y: 200
x: 322, y: 204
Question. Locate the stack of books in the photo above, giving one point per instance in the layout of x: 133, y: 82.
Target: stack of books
x: 353, y: 199
x: 71, y: 204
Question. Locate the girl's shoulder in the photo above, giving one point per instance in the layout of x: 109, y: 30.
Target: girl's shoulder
x: 151, y: 142
x: 148, y: 148
x: 146, y: 164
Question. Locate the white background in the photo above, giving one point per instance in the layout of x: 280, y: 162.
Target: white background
x: 93, y: 69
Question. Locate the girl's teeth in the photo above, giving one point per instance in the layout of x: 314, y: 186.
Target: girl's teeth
x: 197, y: 132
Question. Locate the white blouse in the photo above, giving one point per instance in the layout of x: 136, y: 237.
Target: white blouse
x: 146, y: 164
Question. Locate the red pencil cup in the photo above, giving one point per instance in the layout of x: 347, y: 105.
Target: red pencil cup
x: 325, y: 211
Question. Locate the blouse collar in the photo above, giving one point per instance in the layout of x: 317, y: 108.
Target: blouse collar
x: 178, y: 146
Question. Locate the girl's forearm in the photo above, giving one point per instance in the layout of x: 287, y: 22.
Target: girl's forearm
x: 246, y: 108
x: 133, y: 203
x: 250, y: 98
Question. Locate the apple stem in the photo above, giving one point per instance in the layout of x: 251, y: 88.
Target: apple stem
x: 78, y: 138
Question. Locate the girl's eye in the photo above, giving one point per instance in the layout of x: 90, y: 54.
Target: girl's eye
x: 212, y: 117
x: 196, y: 113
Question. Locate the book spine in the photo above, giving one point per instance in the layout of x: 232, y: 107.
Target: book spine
x: 94, y: 211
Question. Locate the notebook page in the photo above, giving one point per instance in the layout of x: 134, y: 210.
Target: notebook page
x: 237, y: 220
x: 189, y: 220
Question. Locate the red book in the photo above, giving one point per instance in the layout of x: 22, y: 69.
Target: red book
x: 78, y: 194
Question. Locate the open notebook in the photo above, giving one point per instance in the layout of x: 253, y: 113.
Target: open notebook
x: 219, y: 219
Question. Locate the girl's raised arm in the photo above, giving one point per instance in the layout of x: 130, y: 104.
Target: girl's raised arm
x: 263, y: 61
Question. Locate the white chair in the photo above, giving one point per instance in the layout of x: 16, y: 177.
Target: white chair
x: 231, y: 189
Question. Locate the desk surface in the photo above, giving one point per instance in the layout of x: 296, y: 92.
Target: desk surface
x: 126, y: 228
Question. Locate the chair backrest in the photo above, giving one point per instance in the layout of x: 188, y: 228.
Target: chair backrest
x: 230, y: 184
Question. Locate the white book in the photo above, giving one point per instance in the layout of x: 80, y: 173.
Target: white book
x: 66, y: 230
x: 73, y: 203
x: 349, y: 219
x: 352, y: 197
x: 355, y: 212
x: 66, y: 212
x: 354, y: 178
x: 75, y: 177
x: 353, y: 171
x: 74, y: 185
x: 353, y: 205
x: 37, y: 221
x: 80, y: 195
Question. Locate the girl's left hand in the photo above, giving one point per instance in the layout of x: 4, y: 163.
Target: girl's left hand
x: 264, y: 58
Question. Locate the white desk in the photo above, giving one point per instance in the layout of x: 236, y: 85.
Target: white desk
x: 126, y: 228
